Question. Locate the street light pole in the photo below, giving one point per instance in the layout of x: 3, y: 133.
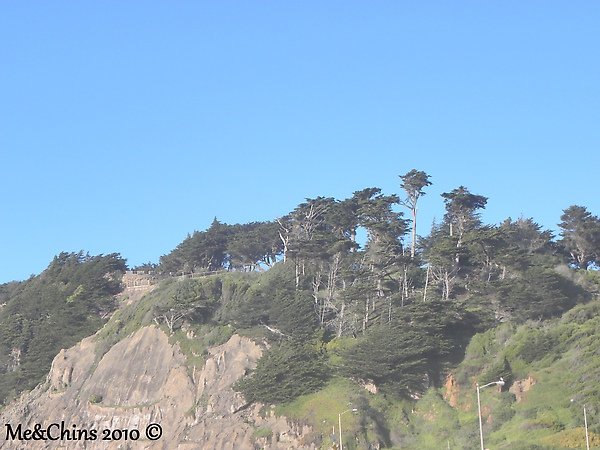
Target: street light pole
x: 498, y: 383
x: 340, y: 424
x: 587, y: 438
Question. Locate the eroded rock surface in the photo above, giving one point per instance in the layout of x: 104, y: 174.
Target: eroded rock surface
x: 143, y: 380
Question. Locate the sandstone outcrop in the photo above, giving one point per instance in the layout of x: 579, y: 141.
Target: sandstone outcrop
x: 143, y: 380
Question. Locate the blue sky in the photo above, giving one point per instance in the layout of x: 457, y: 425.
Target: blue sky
x: 126, y: 125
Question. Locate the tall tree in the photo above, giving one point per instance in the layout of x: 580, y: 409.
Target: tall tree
x: 528, y: 235
x: 306, y: 235
x: 204, y: 250
x: 385, y: 229
x: 581, y: 235
x: 253, y: 244
x: 461, y: 207
x: 413, y: 183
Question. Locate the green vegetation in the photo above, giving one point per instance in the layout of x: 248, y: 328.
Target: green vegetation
x: 262, y: 433
x: 546, y: 364
x: 95, y: 399
x: 54, y: 310
x: 468, y: 303
x: 285, y: 372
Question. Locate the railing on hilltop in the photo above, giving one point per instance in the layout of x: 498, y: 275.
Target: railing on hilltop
x: 141, y: 279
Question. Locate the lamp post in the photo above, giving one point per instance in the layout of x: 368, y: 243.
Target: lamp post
x: 500, y: 383
x: 340, y: 424
x: 587, y: 437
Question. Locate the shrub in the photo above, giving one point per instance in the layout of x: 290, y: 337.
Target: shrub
x: 285, y: 372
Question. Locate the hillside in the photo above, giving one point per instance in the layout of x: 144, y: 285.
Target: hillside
x: 551, y: 369
x: 132, y: 373
x: 262, y: 335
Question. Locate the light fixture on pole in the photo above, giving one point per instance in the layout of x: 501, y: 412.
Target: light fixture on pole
x: 500, y: 383
x: 340, y: 424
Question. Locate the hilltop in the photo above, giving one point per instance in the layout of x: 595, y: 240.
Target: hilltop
x: 399, y: 328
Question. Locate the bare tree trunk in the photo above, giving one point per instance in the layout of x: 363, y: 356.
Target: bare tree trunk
x: 332, y: 277
x: 447, y: 284
x: 341, y: 320
x: 366, y: 319
x: 319, y: 304
x: 426, y: 283
x: 401, y: 297
x: 285, y: 239
x: 414, y: 233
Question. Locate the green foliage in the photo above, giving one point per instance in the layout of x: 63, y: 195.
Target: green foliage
x: 54, y: 310
x: 244, y: 246
x: 500, y: 369
x: 461, y: 207
x: 538, y: 294
x: 285, y: 372
x: 376, y: 309
x: 552, y: 362
x: 272, y: 300
x: 407, y: 356
x: 321, y: 408
x: 572, y: 439
x: 528, y: 235
x: 95, y: 399
x: 200, y: 251
x: 539, y: 345
x: 581, y: 236
x: 526, y: 446
x: 251, y: 244
x: 195, y: 340
x: 392, y: 357
x: 262, y: 433
x: 194, y: 302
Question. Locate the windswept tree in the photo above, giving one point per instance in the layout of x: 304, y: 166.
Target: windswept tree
x: 252, y: 245
x: 413, y: 183
x: 384, y: 226
x: 528, y: 235
x: 581, y: 235
x: 202, y: 250
x: 461, y: 211
x: 342, y: 218
x: 383, y: 250
x: 441, y: 254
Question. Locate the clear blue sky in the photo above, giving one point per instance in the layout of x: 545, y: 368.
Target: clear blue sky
x: 126, y: 125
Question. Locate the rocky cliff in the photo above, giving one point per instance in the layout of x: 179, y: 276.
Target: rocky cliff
x: 144, y: 380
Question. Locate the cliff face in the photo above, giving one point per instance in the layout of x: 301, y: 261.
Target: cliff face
x: 143, y: 380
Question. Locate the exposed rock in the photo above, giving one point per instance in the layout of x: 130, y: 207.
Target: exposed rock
x: 14, y: 360
x: 143, y: 380
x: 521, y: 387
x: 451, y: 391
x: 370, y: 386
